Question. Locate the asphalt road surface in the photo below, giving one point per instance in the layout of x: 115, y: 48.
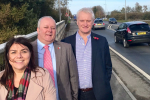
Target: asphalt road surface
x: 138, y: 54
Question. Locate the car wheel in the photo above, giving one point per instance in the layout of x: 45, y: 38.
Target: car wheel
x: 125, y: 44
x: 104, y: 28
x: 149, y: 44
x: 116, y: 39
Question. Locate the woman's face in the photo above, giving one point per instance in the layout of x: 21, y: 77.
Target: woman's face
x: 19, y: 57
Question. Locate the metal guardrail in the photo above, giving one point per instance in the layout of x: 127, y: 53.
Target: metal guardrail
x: 60, y: 30
x: 60, y: 26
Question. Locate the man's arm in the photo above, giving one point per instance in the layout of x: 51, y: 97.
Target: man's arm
x: 108, y: 60
x: 73, y: 74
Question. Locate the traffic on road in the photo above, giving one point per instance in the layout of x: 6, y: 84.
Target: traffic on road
x: 138, y: 54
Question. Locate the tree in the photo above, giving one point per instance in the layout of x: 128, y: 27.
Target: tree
x: 94, y: 9
x: 115, y: 12
x: 21, y: 16
x: 98, y: 11
x: 132, y: 9
x: 146, y: 16
x: 123, y: 10
x: 138, y: 8
x: 128, y: 9
x: 145, y: 8
x: 10, y: 17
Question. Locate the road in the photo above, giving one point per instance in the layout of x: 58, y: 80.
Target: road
x: 139, y: 54
x: 133, y: 86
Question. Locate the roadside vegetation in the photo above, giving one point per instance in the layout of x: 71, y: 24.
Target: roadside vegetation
x: 136, y: 13
x: 19, y: 17
x: 121, y: 21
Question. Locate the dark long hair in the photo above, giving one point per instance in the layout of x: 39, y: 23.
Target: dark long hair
x: 8, y: 68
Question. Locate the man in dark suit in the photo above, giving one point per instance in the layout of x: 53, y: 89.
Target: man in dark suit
x: 62, y: 66
x: 93, y: 59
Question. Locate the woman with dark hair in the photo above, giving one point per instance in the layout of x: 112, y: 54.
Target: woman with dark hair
x: 21, y: 79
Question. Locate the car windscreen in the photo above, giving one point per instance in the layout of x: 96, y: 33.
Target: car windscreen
x: 98, y: 21
x: 113, y: 19
x: 139, y: 27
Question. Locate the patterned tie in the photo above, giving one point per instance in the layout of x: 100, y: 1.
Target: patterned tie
x: 48, y: 62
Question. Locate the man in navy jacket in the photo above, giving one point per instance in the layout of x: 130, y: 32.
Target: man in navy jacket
x: 93, y: 59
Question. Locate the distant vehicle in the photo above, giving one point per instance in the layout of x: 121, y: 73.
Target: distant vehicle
x: 132, y: 32
x: 98, y: 18
x: 112, y: 21
x: 75, y: 18
x: 98, y: 23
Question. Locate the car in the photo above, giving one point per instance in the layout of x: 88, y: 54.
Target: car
x: 132, y: 32
x: 75, y: 18
x: 98, y: 23
x: 98, y: 18
x: 112, y: 21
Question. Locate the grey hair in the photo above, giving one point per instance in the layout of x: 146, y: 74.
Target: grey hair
x: 86, y: 10
x: 39, y: 21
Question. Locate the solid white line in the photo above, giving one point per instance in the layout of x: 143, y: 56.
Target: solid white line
x: 126, y: 89
x: 133, y: 65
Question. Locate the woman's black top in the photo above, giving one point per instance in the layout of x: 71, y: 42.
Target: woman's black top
x: 15, y: 90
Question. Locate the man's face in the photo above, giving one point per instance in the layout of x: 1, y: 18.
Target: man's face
x: 85, y: 22
x: 47, y: 30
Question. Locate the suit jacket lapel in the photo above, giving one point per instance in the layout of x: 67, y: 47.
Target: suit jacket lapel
x: 73, y: 43
x: 94, y: 44
x: 34, y: 89
x: 58, y: 51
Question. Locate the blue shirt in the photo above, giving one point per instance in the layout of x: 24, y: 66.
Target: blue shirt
x: 83, y: 57
x: 41, y: 51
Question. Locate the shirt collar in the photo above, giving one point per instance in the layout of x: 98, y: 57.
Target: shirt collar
x: 41, y: 45
x: 79, y: 37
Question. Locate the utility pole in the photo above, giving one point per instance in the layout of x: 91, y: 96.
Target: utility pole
x: 105, y: 9
x: 68, y: 14
x: 59, y: 10
x: 125, y: 11
x: 67, y: 10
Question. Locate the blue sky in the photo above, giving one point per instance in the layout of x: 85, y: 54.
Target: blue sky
x: 75, y: 5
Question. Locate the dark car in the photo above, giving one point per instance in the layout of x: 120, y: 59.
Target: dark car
x: 112, y: 21
x: 98, y: 23
x: 132, y: 32
x: 98, y: 18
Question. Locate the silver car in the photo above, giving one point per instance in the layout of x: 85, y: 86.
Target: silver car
x: 98, y: 23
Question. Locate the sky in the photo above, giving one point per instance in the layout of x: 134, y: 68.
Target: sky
x: 75, y: 5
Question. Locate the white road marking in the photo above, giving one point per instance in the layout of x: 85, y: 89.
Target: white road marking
x: 109, y: 27
x: 133, y: 65
x: 126, y: 89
